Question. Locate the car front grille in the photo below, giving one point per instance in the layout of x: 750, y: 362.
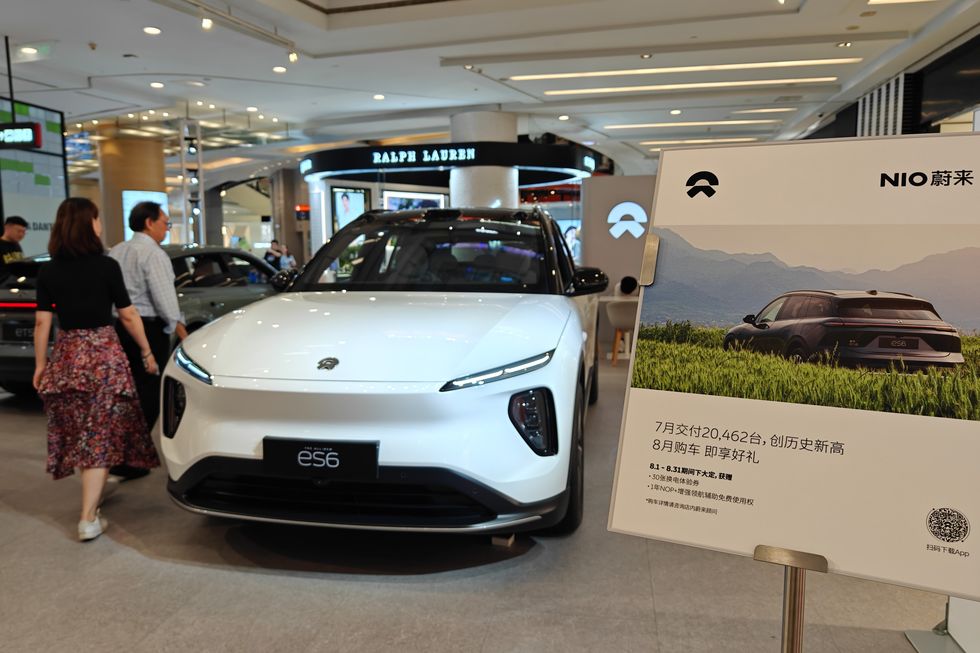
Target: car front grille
x: 337, y: 502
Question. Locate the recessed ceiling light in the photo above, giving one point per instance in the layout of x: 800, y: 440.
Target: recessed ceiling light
x: 156, y: 84
x: 468, y: 66
x: 646, y: 55
x: 28, y: 50
x: 130, y: 115
x: 767, y: 110
x: 275, y: 119
x: 166, y: 114
x: 195, y: 82
x: 563, y: 117
x: 151, y: 112
x: 279, y: 69
x: 379, y: 96
x: 78, y: 125
x: 844, y: 44
x: 694, y: 123
x: 693, y: 85
x: 95, y: 122
x: 675, y: 112
x: 200, y: 103
x: 206, y: 23
x: 210, y: 106
x: 293, y: 56
x: 261, y: 116
x: 146, y: 117
x: 152, y: 31
x: 251, y: 109
x: 755, y: 65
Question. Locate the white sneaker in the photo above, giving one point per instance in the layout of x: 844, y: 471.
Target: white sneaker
x: 89, y: 530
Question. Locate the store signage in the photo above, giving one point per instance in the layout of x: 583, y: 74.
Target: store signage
x: 753, y: 417
x: 20, y: 135
x: 935, y: 178
x: 402, y: 156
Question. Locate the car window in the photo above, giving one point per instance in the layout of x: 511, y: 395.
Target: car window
x: 793, y: 308
x: 819, y: 307
x: 206, y: 271
x: 885, y: 309
x: 566, y: 263
x: 465, y: 254
x: 243, y: 271
x: 182, y: 272
x: 768, y: 314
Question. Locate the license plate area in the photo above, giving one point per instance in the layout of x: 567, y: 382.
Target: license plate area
x: 321, y: 459
x: 892, y: 342
x: 18, y: 331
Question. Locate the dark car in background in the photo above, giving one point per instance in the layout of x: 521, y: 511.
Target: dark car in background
x: 210, y: 282
x: 853, y: 327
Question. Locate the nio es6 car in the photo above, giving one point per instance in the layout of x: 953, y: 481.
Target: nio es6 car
x: 427, y: 371
x: 866, y: 328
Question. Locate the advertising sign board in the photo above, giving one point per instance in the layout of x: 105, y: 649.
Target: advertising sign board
x: 806, y: 373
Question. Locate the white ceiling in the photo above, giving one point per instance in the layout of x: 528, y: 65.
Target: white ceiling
x: 415, y: 56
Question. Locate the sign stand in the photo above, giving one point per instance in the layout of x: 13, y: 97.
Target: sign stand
x: 796, y: 564
x: 936, y: 640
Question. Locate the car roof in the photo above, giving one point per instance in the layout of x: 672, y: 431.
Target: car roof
x: 178, y: 250
x: 413, y: 215
x: 858, y: 294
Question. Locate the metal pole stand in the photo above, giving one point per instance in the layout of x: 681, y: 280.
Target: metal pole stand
x: 796, y: 564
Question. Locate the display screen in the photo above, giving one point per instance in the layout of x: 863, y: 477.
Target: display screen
x: 131, y: 198
x: 396, y: 200
x: 348, y: 203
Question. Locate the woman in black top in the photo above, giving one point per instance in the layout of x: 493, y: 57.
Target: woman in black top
x: 94, y: 416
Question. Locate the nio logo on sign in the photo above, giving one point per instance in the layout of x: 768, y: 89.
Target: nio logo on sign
x: 318, y: 458
x: 948, y: 524
x: 916, y: 179
x: 327, y: 364
x: 710, y: 180
x: 627, y: 217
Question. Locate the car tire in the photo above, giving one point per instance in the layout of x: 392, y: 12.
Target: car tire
x: 576, y: 475
x: 594, y: 385
x: 727, y: 344
x: 797, y: 354
x: 19, y: 388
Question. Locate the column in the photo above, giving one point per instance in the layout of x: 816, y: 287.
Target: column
x: 126, y: 164
x: 284, y: 201
x: 492, y: 186
x: 214, y: 210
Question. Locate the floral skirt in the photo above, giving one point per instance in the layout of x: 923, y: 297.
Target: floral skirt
x: 94, y: 416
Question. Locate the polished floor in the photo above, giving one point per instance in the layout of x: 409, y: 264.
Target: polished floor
x: 162, y: 579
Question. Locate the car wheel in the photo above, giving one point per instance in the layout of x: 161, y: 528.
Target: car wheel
x: 19, y: 388
x: 797, y: 354
x: 576, y: 476
x: 594, y: 386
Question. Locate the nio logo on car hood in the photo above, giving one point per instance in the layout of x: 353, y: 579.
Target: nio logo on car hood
x: 327, y: 363
x: 710, y: 179
x: 633, y: 226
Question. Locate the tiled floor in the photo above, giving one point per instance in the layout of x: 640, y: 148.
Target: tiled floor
x: 162, y: 579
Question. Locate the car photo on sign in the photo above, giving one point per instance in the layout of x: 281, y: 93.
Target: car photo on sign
x: 429, y: 370
x: 845, y: 316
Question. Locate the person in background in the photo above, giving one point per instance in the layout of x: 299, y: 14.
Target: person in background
x: 287, y: 261
x: 14, y: 230
x: 574, y: 244
x: 273, y: 254
x: 149, y: 278
x: 94, y: 417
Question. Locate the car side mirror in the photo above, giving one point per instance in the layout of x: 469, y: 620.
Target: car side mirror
x: 749, y: 319
x: 588, y: 281
x: 282, y: 280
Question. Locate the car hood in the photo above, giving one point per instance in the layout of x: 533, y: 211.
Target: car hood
x: 379, y: 336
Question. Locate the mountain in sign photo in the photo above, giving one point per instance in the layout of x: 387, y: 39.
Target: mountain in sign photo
x: 715, y: 288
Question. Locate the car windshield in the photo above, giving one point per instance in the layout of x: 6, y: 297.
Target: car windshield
x: 21, y: 275
x: 454, y: 254
x: 890, y: 309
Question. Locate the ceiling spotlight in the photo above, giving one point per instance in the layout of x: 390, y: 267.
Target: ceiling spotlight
x: 378, y: 96
x: 251, y: 109
x: 130, y: 115
x: 223, y: 193
x: 146, y: 117
x: 563, y: 117
x: 206, y: 23
x: 275, y: 120
x: 468, y: 66
x: 646, y: 55
x: 152, y: 31
x: 95, y: 122
x: 279, y: 69
x: 675, y: 112
x: 293, y: 56
x: 844, y: 44
x: 28, y: 50
x: 78, y: 125
x: 166, y: 114
x: 210, y: 106
x: 156, y: 84
x: 261, y: 116
x: 195, y: 82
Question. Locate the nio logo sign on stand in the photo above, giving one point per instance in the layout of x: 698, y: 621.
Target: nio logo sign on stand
x: 627, y: 217
x: 710, y: 180
x: 327, y: 363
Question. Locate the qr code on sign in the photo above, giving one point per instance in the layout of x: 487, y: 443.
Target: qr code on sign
x: 948, y: 524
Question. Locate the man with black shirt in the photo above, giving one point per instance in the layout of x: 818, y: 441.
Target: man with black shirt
x: 14, y: 230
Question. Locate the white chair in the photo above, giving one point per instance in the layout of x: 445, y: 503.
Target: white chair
x: 622, y: 317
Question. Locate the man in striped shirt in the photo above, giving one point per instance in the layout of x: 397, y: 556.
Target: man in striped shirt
x: 149, y: 277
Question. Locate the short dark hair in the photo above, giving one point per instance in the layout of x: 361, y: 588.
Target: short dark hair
x: 73, y: 235
x: 275, y: 241
x: 344, y: 195
x: 141, y: 213
x: 17, y: 220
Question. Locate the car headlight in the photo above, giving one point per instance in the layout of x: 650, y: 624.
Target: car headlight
x: 500, y: 373
x: 187, y: 364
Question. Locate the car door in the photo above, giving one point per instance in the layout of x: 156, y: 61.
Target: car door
x: 586, y: 305
x: 760, y: 340
x: 786, y: 326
